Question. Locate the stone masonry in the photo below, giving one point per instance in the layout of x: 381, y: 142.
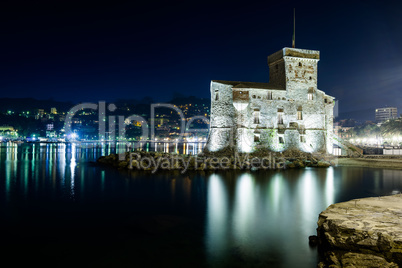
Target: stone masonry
x: 289, y: 112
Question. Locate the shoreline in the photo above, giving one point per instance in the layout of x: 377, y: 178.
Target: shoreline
x: 371, y: 162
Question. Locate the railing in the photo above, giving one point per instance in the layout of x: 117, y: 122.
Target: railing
x: 392, y: 151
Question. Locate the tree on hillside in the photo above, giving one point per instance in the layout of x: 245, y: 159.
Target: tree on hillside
x: 391, y: 128
x: 366, y: 130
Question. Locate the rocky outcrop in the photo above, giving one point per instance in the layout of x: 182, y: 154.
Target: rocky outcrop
x: 362, y: 233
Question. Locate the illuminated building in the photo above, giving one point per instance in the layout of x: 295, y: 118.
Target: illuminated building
x: 384, y: 114
x: 288, y: 112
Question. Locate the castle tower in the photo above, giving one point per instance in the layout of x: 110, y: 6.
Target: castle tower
x: 295, y: 70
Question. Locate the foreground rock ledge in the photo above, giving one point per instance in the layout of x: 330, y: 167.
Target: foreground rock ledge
x: 362, y: 233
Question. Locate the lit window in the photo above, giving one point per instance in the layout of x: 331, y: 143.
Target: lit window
x: 310, y: 93
x: 280, y: 118
x: 299, y: 115
x: 256, y: 117
x: 270, y: 95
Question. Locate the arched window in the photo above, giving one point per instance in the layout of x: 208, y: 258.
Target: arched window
x: 299, y: 113
x: 256, y: 116
x: 310, y: 94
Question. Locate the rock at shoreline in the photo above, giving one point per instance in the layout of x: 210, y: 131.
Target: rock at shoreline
x: 362, y: 233
x: 323, y: 164
x: 313, y: 240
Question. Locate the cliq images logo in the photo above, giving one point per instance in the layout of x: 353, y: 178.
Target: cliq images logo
x: 147, y: 130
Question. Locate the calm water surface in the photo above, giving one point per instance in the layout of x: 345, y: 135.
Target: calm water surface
x: 60, y: 210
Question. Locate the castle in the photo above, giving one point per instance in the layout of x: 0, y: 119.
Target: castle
x: 289, y: 112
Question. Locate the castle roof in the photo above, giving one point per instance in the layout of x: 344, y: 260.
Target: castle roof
x: 258, y: 85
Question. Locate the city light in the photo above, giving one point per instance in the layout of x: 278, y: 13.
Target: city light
x: 73, y: 136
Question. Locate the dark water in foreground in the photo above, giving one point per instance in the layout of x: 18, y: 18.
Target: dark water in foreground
x: 59, y: 210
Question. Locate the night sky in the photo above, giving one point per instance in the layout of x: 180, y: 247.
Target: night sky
x: 78, y: 52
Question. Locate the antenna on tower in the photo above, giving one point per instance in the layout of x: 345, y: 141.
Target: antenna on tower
x: 294, y: 29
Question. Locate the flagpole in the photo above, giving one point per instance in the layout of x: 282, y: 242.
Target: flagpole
x: 294, y: 28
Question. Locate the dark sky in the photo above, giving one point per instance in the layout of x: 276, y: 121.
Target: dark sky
x: 78, y: 51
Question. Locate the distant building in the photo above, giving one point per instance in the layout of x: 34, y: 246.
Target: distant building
x: 342, y: 132
x: 39, y: 114
x: 50, y: 126
x: 8, y: 131
x: 383, y: 114
x: 51, y: 134
x: 53, y: 110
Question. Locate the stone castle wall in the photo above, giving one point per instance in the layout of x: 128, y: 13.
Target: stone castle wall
x: 222, y: 117
x: 247, y: 118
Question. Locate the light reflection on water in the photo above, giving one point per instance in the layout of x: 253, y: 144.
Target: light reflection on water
x: 246, y: 218
x: 265, y: 219
x: 268, y: 218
